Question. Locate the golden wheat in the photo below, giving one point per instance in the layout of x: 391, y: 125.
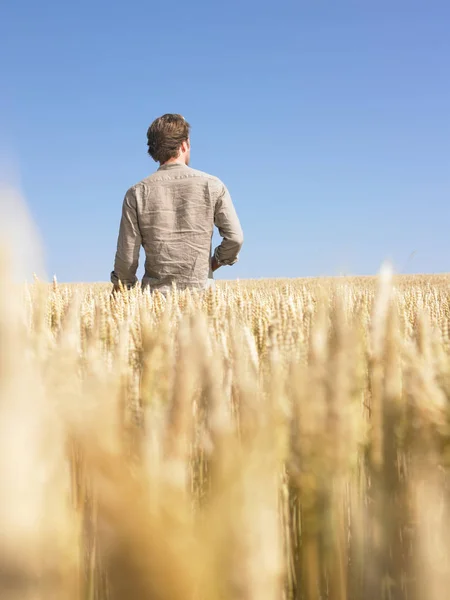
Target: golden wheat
x: 271, y: 440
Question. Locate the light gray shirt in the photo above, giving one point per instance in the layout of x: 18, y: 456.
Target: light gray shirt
x: 172, y: 215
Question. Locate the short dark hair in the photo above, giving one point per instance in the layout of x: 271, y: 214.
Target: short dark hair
x: 165, y: 136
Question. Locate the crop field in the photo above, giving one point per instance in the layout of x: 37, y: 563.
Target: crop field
x: 271, y: 440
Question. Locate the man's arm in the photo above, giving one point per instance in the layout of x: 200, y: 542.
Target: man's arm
x: 227, y: 222
x: 128, y: 244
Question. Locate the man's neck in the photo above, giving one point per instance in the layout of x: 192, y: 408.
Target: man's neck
x: 173, y: 161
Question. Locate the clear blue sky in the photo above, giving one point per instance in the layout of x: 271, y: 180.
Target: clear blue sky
x: 328, y: 121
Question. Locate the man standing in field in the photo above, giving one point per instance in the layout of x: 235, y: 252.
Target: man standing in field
x: 172, y: 214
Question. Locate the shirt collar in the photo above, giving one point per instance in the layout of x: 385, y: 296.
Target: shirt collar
x: 172, y: 166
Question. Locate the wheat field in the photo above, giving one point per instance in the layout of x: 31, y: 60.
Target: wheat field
x: 270, y: 440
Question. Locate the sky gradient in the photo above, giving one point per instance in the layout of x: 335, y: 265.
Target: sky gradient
x: 328, y: 122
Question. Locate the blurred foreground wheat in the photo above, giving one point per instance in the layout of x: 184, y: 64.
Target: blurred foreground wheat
x: 271, y: 440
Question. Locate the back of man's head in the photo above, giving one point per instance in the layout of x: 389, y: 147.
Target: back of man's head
x: 165, y: 136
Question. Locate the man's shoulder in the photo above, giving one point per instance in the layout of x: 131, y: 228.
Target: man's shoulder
x: 190, y: 172
x: 186, y: 172
x: 161, y: 176
x: 142, y: 183
x: 141, y: 186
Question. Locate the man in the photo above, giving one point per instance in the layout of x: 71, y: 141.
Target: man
x: 172, y: 215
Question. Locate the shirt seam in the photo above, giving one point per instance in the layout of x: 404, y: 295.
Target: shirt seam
x: 153, y: 179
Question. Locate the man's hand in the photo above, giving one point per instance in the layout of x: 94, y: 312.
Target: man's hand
x: 214, y: 264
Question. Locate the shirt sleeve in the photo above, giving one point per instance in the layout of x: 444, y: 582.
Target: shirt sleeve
x: 128, y: 244
x: 227, y: 222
